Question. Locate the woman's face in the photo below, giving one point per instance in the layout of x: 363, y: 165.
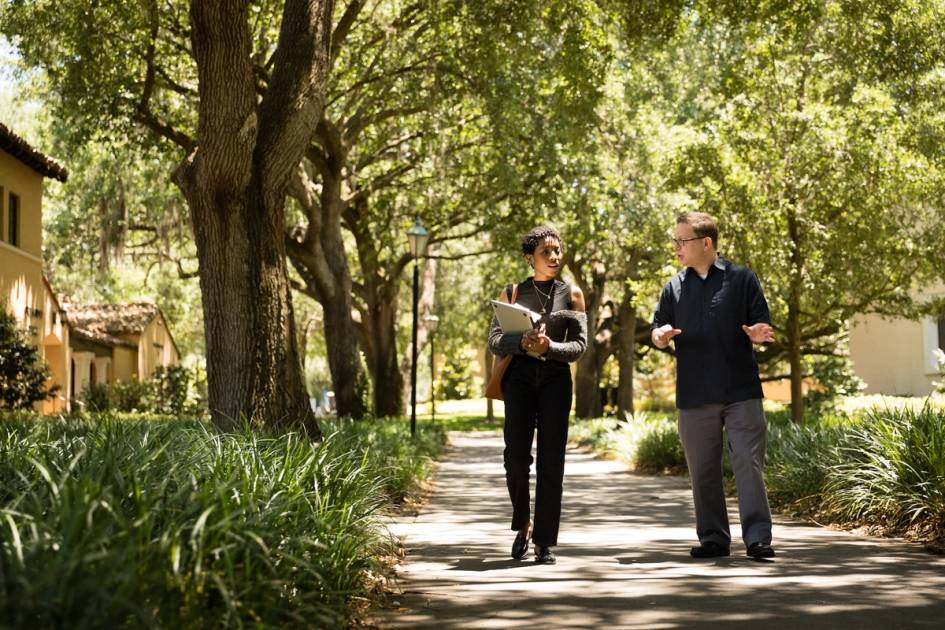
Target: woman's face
x: 547, y: 258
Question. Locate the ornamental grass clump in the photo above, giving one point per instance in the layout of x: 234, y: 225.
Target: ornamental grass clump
x: 402, y: 461
x: 603, y: 435
x: 648, y: 440
x: 107, y: 523
x: 798, y: 460
x: 658, y: 448
x: 892, y: 471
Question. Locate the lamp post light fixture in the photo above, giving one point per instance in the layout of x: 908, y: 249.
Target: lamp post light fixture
x: 432, y: 321
x: 417, y: 236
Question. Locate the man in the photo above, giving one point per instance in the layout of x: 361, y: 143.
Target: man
x: 714, y: 310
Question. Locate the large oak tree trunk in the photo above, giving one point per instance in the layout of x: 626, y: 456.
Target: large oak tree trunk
x: 320, y: 259
x: 587, y: 402
x: 794, y: 322
x: 235, y: 183
x: 626, y: 346
x: 329, y: 283
x: 379, y: 300
x: 488, y: 368
x: 793, y: 343
x: 382, y: 358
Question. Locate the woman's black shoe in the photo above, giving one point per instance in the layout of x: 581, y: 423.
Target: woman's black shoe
x: 543, y: 555
x: 519, y: 546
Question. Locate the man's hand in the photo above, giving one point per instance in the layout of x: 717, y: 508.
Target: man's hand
x: 663, y: 334
x: 759, y: 333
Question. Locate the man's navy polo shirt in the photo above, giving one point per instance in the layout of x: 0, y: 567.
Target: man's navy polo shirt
x: 715, y: 361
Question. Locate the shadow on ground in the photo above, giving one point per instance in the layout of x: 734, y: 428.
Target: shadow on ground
x: 623, y: 561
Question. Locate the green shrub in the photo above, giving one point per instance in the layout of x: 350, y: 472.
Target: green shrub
x: 660, y: 449
x: 95, y: 398
x: 798, y: 461
x: 365, y: 391
x: 835, y: 380
x: 175, y: 390
x: 649, y: 441
x: 454, y: 379
x: 23, y: 374
x: 597, y: 433
x: 110, y: 523
x: 892, y: 469
x: 129, y: 396
x: 663, y: 405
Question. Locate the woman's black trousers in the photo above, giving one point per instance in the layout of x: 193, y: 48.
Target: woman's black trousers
x: 537, y: 396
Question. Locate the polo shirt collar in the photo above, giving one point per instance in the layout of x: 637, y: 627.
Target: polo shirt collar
x: 719, y: 263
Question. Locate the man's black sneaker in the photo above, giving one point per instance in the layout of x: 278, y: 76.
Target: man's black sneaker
x: 760, y: 550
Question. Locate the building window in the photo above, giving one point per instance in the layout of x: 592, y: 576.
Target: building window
x: 941, y: 332
x: 13, y: 220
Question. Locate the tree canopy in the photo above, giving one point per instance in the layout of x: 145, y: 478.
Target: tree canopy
x: 305, y: 137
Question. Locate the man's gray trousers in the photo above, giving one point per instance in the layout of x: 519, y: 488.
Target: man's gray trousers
x: 700, y: 430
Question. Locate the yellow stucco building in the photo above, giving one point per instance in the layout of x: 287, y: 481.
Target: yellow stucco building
x: 117, y: 342
x: 897, y: 356
x: 82, y: 344
x: 22, y: 284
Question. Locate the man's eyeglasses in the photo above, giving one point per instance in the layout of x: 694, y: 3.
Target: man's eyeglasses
x: 679, y: 242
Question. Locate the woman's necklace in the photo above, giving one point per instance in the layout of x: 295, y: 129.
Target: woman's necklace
x: 547, y: 296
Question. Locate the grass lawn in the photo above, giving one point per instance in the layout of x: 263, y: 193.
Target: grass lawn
x: 463, y: 415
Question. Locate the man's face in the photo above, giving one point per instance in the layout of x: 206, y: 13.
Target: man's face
x: 691, y: 250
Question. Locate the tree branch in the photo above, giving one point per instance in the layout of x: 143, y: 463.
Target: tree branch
x: 294, y: 102
x: 459, y: 256
x: 379, y: 182
x: 343, y: 27
x: 143, y: 114
x: 358, y: 122
x: 376, y: 156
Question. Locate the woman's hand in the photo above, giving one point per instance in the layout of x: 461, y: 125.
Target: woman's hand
x: 536, y: 341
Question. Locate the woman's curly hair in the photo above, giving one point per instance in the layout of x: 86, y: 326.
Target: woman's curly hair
x: 536, y: 235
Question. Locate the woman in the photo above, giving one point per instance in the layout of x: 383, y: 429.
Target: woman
x: 537, y: 391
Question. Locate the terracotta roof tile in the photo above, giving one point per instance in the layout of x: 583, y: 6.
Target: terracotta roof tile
x: 102, y: 338
x: 21, y: 150
x: 110, y: 319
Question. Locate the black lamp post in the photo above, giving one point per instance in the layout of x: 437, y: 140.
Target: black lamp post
x: 417, y: 235
x: 432, y: 321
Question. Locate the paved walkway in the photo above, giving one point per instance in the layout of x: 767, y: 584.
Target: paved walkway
x: 623, y: 562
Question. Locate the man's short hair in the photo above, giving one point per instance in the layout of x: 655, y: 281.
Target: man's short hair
x: 702, y: 224
x: 536, y: 235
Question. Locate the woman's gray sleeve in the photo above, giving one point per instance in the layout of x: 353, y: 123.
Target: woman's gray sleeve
x: 571, y: 350
x: 501, y: 344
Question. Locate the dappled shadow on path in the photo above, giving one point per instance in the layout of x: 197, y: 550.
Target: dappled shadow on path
x: 623, y: 561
